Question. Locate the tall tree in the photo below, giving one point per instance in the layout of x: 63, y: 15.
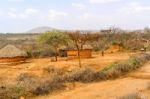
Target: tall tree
x: 80, y: 38
x: 54, y: 39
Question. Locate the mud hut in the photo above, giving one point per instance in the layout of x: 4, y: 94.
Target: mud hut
x: 114, y: 48
x: 72, y: 53
x: 11, y: 54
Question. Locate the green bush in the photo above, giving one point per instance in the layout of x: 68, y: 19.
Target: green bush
x: 117, y: 69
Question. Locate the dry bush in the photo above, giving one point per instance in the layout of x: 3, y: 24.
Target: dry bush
x: 29, y: 81
x: 48, y: 85
x: 28, y: 85
x: 81, y: 74
x: 133, y: 96
x: 24, y: 77
x: 12, y: 91
x: 117, y: 69
x: 100, y: 76
x: 37, y: 86
x: 53, y: 70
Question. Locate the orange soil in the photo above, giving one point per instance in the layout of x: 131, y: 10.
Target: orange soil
x: 102, y: 90
x: 35, y: 66
x: 135, y: 82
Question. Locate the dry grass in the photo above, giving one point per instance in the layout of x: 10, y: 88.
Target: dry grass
x: 133, y: 96
x: 80, y: 74
x: 28, y: 85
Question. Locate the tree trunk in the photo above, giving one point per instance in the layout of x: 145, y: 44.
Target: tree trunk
x: 79, y: 58
x: 56, y: 59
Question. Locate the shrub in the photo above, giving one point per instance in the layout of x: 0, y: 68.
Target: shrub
x: 53, y: 71
x: 12, y: 91
x: 100, y: 76
x: 24, y: 76
x: 117, y: 69
x: 29, y: 81
x: 48, y: 85
x: 31, y: 85
x: 37, y: 86
x: 17, y: 91
x: 81, y: 74
x: 133, y: 96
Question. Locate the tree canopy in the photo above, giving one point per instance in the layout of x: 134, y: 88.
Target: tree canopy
x: 54, y: 39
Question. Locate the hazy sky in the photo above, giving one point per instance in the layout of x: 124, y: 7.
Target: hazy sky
x: 22, y: 15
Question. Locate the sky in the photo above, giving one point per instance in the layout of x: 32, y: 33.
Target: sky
x: 23, y: 15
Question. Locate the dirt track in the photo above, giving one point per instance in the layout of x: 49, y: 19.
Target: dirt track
x: 112, y: 89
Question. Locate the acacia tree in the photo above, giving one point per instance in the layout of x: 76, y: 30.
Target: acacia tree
x: 80, y: 38
x: 54, y: 39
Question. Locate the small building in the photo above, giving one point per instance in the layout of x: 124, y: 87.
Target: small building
x: 11, y: 54
x: 114, y: 48
x: 72, y: 53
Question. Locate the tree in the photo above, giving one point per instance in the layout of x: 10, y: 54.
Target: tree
x: 80, y: 38
x: 54, y: 39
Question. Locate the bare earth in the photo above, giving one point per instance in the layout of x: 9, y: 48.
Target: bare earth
x: 112, y: 89
x: 136, y: 82
x: 35, y: 66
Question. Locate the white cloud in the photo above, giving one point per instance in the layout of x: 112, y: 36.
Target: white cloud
x: 13, y: 9
x: 79, y: 6
x: 102, y: 1
x: 12, y: 15
x: 135, y: 8
x: 23, y: 16
x: 86, y: 16
x: 27, y: 13
x: 31, y: 11
x: 1, y: 13
x: 54, y: 15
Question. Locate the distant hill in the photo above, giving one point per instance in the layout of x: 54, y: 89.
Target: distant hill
x: 46, y: 29
x: 41, y: 30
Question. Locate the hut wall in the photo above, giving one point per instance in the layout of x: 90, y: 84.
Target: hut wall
x: 9, y: 60
x: 83, y: 54
x: 113, y: 49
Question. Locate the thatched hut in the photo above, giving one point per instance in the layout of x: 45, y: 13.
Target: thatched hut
x: 11, y: 54
x: 72, y: 53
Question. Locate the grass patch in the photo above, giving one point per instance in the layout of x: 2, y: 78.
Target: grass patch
x: 117, y: 69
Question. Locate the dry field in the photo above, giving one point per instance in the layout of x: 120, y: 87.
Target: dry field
x: 134, y: 83
x: 35, y: 66
x: 8, y: 73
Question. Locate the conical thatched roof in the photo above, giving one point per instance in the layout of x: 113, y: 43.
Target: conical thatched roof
x: 11, y: 51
